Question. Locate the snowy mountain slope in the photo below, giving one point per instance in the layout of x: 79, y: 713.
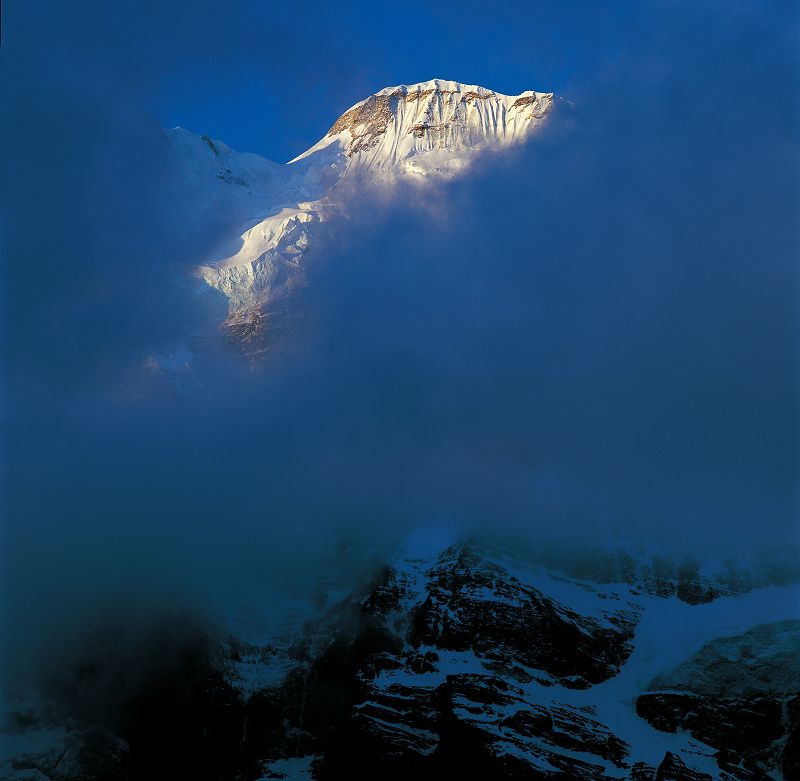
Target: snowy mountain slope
x: 209, y: 163
x: 431, y: 129
x: 470, y: 659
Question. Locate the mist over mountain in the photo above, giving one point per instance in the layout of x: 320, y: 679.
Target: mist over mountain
x: 431, y: 130
x: 540, y: 317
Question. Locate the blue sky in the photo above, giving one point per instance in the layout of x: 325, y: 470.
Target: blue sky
x: 275, y: 78
x: 272, y: 77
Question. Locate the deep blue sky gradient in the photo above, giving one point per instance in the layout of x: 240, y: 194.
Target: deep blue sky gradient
x: 277, y: 87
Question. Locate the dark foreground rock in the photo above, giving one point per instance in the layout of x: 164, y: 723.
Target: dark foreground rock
x: 740, y: 695
x: 473, y: 663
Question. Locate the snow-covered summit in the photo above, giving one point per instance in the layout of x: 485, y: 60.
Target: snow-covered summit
x: 431, y: 126
x: 432, y: 129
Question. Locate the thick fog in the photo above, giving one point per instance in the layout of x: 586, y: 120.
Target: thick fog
x: 595, y: 334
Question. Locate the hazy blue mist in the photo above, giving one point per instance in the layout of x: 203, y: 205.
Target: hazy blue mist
x: 597, y: 332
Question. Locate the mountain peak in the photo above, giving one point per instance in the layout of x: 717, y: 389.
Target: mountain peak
x: 423, y: 89
x: 429, y: 129
x: 396, y: 124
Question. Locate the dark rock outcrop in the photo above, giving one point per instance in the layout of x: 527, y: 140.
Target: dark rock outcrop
x: 739, y: 695
x: 475, y: 663
x: 474, y: 604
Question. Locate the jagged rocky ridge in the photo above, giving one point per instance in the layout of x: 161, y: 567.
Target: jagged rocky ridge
x: 471, y: 662
x: 429, y: 130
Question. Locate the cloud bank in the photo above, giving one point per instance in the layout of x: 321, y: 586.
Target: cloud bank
x: 595, y: 332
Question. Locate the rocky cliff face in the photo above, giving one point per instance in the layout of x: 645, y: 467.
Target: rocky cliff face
x: 431, y: 128
x: 474, y: 662
x: 739, y: 694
